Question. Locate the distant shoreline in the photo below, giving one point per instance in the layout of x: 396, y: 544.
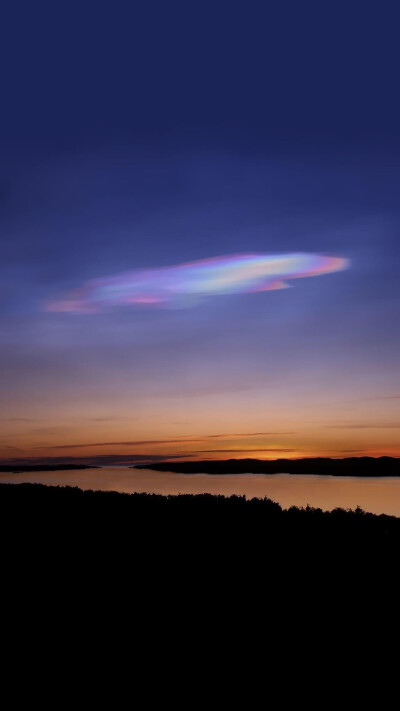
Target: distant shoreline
x: 352, y: 466
x: 20, y: 468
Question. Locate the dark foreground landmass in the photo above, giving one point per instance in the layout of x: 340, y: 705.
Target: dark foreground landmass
x: 350, y: 466
x: 90, y: 579
x: 16, y: 469
x: 148, y: 560
x: 172, y: 522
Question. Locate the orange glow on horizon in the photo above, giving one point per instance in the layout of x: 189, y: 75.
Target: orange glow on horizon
x: 262, y: 424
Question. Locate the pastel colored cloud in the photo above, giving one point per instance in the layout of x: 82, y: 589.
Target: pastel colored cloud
x: 185, y: 284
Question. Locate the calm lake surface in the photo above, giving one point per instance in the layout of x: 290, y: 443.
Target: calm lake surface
x: 378, y: 495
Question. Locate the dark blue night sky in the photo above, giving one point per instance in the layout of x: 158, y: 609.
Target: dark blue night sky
x: 145, y: 135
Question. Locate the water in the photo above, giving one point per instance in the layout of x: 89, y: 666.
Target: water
x: 378, y: 495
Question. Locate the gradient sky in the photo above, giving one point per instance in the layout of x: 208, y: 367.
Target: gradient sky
x: 145, y: 135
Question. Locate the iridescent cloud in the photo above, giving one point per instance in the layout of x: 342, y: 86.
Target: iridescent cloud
x: 184, y: 284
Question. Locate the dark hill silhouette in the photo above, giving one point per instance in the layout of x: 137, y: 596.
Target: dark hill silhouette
x: 204, y: 516
x: 190, y: 558
x: 350, y: 466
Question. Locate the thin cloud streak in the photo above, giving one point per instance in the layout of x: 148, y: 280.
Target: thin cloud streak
x: 353, y: 450
x: 178, y: 440
x: 388, y: 397
x: 240, y: 451
x: 364, y: 427
x: 105, y: 460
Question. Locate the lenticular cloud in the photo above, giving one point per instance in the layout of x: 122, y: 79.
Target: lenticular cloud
x: 184, y: 284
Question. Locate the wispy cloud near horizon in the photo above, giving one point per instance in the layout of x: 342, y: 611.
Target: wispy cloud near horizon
x: 240, y: 451
x: 173, y: 440
x: 389, y: 426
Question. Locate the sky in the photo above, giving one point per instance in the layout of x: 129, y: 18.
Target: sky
x: 144, y: 136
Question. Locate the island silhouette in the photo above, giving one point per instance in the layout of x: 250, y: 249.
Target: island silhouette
x: 324, y: 466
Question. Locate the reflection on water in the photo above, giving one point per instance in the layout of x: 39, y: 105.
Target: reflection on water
x: 376, y: 495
